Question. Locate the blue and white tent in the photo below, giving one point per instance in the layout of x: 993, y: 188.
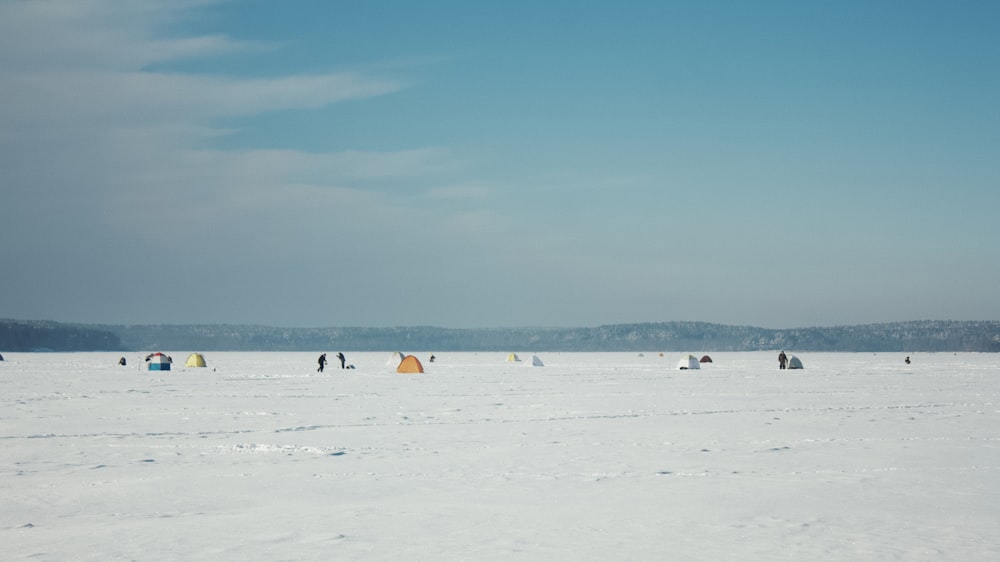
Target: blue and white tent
x: 158, y: 361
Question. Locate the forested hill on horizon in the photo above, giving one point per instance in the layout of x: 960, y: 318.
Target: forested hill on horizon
x: 914, y: 336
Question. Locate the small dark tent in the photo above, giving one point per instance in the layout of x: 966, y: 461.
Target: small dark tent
x: 706, y: 359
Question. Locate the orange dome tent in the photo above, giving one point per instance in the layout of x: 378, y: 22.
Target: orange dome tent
x: 410, y: 364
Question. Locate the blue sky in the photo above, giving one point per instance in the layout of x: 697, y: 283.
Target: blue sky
x: 464, y: 164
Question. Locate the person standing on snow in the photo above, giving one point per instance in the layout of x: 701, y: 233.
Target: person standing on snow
x: 342, y: 360
x: 322, y: 363
x: 782, y: 360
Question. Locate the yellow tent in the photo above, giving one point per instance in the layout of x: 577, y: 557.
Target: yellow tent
x: 410, y: 364
x: 195, y: 360
x: 513, y: 358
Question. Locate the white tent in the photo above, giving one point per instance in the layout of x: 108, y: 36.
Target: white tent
x: 395, y: 359
x: 689, y: 362
x: 794, y: 363
x: 536, y: 362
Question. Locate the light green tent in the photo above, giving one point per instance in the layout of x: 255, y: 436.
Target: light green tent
x: 195, y: 360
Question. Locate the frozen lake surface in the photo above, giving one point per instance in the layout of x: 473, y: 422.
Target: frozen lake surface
x: 595, y: 456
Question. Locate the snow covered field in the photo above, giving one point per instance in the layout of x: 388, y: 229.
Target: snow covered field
x: 595, y: 456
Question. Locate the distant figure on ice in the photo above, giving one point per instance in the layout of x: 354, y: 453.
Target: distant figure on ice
x: 343, y: 360
x: 322, y: 363
x: 432, y: 358
x: 121, y: 361
x: 782, y: 360
x: 907, y: 360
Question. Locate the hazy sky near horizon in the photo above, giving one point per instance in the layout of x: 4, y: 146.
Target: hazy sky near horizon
x: 488, y: 164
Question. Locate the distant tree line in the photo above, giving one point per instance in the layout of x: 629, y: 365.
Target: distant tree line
x: 53, y: 336
x: 916, y: 336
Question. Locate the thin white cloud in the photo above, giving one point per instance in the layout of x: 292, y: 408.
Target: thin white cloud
x: 276, y: 167
x: 129, y: 99
x: 460, y: 192
x: 103, y: 34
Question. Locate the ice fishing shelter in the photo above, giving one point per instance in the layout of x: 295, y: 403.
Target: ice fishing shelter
x: 705, y: 359
x: 410, y: 364
x: 195, y: 360
x: 536, y: 362
x: 159, y: 362
x: 395, y: 359
x: 794, y: 362
x: 513, y: 358
x: 689, y: 362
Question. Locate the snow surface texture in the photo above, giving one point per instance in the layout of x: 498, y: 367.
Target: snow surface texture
x: 595, y: 456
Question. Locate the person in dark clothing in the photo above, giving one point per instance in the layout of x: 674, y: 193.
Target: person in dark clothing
x: 322, y: 363
x: 121, y: 361
x: 782, y: 360
x: 907, y: 360
x: 342, y: 360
